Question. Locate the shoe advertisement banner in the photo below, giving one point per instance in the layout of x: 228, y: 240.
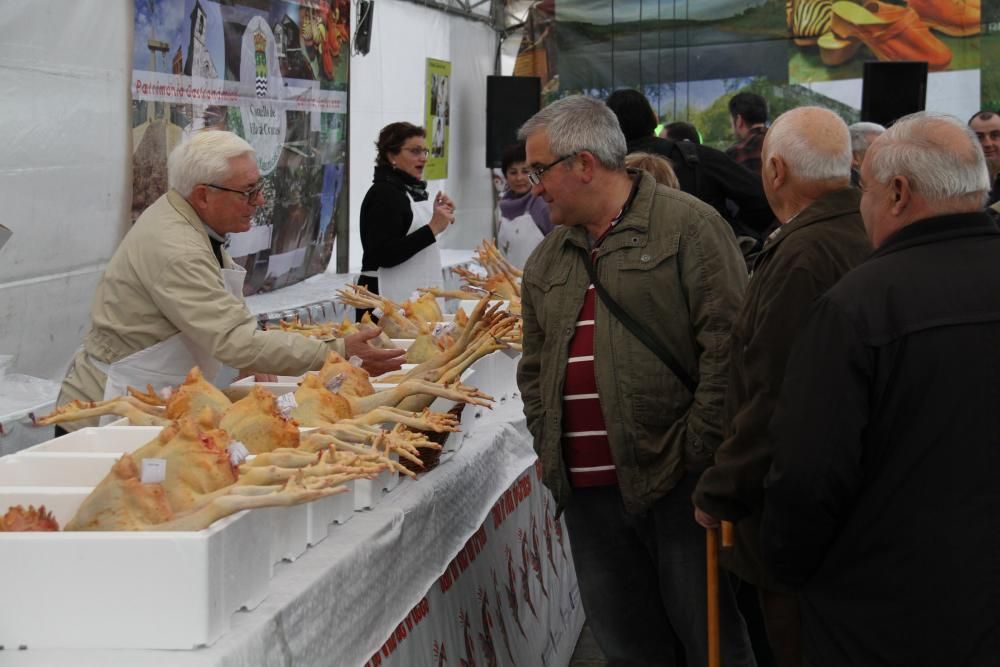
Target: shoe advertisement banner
x: 509, y: 597
x: 437, y: 114
x: 274, y: 73
x: 690, y: 56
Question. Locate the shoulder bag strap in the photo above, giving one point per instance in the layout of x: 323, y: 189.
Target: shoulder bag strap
x: 637, y: 329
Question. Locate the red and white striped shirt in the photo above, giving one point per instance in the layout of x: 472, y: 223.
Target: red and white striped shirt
x: 585, y: 437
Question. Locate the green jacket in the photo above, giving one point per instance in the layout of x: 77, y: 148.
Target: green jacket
x: 673, y: 264
x: 797, y: 265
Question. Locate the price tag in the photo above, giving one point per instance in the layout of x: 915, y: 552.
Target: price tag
x: 415, y: 296
x: 356, y: 361
x: 336, y: 382
x: 154, y: 471
x: 238, y: 453
x: 287, y: 403
x: 443, y: 328
x: 378, y: 313
x: 166, y: 393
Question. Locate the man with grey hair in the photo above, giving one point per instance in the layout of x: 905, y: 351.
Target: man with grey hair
x: 627, y: 307
x: 171, y: 298
x: 806, y: 162
x: 862, y: 136
x: 882, y: 500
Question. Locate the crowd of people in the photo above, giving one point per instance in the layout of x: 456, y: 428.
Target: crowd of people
x: 835, y: 402
x: 836, y: 405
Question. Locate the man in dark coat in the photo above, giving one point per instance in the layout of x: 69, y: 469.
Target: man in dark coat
x: 883, y: 498
x: 806, y: 172
x: 703, y: 172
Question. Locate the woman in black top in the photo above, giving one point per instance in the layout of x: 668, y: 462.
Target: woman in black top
x: 399, y: 225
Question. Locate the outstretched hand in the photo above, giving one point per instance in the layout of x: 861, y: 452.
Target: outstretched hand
x: 374, y: 360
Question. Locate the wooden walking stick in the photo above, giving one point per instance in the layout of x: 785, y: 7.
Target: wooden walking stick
x: 712, y: 571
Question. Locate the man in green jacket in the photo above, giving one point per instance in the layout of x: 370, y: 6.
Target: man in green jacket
x: 621, y: 434
x: 806, y: 171
x: 171, y: 298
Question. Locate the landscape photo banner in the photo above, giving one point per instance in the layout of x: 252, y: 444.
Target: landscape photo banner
x: 275, y: 73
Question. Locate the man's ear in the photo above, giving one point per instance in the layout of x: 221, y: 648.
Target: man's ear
x: 588, y: 165
x: 901, y: 193
x: 198, y: 197
x: 775, y: 171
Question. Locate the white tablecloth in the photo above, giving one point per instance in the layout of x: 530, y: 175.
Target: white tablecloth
x: 337, y: 604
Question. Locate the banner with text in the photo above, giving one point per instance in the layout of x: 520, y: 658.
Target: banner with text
x: 509, y: 597
x: 275, y: 73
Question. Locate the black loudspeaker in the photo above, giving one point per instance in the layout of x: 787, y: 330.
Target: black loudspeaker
x: 893, y: 89
x: 510, y: 100
x: 363, y: 33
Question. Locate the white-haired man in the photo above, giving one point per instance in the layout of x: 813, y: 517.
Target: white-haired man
x: 806, y: 172
x: 862, y: 136
x: 882, y: 500
x: 171, y: 297
x: 623, y: 425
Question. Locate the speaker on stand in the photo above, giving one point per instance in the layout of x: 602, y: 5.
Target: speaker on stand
x: 891, y: 90
x: 510, y: 100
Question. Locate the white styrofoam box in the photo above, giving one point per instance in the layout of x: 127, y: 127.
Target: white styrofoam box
x: 280, y: 379
x: 367, y: 493
x: 289, y: 531
x: 403, y: 343
x: 342, y: 504
x: 55, y: 469
x: 127, y: 590
x: 102, y: 439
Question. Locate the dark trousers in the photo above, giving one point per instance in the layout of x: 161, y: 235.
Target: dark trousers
x: 372, y: 285
x: 784, y: 629
x: 642, y: 580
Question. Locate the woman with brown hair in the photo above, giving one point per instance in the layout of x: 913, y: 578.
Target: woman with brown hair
x: 399, y: 223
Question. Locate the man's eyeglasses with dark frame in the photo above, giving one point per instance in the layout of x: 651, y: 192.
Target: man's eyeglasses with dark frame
x: 535, y: 175
x: 250, y: 194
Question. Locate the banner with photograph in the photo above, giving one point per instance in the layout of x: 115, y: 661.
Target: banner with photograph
x: 690, y: 56
x: 275, y: 73
x: 437, y: 115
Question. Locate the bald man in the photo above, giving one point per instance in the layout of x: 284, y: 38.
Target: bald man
x: 806, y: 169
x: 881, y: 505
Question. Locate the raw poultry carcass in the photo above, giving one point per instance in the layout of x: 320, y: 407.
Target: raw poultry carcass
x: 483, y: 335
x: 408, y: 320
x: 20, y: 520
x: 317, y: 406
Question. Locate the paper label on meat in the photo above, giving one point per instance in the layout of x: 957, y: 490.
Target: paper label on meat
x: 154, y: 471
x: 336, y: 382
x: 238, y: 453
x: 378, y: 313
x: 442, y: 328
x: 287, y: 403
x: 356, y: 361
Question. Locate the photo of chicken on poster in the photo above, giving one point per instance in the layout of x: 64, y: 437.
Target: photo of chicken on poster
x: 275, y: 73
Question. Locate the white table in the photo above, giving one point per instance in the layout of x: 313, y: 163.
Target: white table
x: 339, y: 602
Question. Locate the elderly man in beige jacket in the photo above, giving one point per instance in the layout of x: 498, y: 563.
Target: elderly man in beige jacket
x: 171, y: 297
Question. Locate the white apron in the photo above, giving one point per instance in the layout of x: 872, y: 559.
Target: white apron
x: 167, y: 363
x: 517, y: 238
x: 399, y: 282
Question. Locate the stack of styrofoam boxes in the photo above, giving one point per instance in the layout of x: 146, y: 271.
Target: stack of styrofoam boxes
x: 163, y: 590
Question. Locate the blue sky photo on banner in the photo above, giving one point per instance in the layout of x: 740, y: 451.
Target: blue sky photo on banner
x: 276, y: 74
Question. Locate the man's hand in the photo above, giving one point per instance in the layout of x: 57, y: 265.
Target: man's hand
x: 706, y: 520
x: 373, y: 360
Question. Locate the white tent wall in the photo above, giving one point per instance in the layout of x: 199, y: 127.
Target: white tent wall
x: 64, y: 169
x: 389, y: 85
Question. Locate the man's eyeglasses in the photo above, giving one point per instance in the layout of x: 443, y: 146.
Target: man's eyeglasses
x: 418, y: 151
x: 250, y: 194
x: 535, y: 175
